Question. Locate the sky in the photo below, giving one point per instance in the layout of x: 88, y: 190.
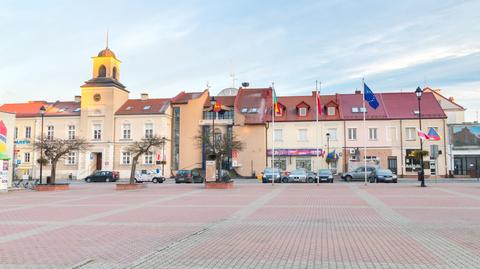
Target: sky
x: 172, y: 46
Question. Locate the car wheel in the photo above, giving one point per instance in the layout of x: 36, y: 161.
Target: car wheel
x: 395, y: 181
x: 88, y: 180
x: 107, y: 180
x: 331, y: 180
x: 284, y: 180
x: 348, y: 178
x: 155, y: 180
x: 310, y: 180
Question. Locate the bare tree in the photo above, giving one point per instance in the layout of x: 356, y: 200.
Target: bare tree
x: 224, y: 145
x: 138, y: 148
x: 55, y: 149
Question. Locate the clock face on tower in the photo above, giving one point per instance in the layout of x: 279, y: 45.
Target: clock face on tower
x: 97, y: 97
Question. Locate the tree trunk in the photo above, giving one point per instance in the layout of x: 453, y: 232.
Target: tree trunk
x: 52, y: 173
x: 132, y: 172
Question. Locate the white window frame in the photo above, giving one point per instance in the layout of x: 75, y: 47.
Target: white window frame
x: 71, y: 132
x: 151, y: 132
x: 125, y: 158
x: 26, y: 157
x: 126, y: 131
x: 373, y: 133
x: 331, y: 111
x: 278, y: 135
x: 299, y: 135
x: 413, y: 133
x: 97, y: 132
x: 28, y: 132
x: 302, y: 111
x: 71, y: 158
x: 50, y: 132
x: 333, y: 134
x: 352, y: 134
x: 148, y: 158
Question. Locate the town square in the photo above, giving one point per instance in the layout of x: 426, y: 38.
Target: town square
x: 240, y: 134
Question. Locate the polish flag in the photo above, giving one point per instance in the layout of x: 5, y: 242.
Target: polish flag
x: 319, y: 104
x: 422, y: 135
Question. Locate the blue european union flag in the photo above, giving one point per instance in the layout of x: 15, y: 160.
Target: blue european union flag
x: 370, y: 97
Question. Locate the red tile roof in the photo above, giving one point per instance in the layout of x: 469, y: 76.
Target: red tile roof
x: 184, y: 97
x: 24, y: 110
x: 256, y: 98
x: 60, y: 108
x: 403, y: 105
x: 141, y: 107
x: 228, y: 101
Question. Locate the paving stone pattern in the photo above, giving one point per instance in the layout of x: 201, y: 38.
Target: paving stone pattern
x: 251, y: 226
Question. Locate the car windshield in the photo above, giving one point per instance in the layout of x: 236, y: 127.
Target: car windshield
x: 384, y: 172
x: 298, y: 172
x: 324, y: 172
x: 183, y: 172
x: 271, y: 170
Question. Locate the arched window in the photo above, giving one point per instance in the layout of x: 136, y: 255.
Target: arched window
x: 102, y: 71
x: 114, y: 72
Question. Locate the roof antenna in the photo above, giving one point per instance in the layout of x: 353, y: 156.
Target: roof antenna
x: 107, y: 40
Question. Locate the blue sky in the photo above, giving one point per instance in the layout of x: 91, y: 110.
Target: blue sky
x: 169, y: 46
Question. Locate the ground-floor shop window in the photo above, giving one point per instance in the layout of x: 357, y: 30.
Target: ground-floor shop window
x: 281, y: 162
x: 303, y: 162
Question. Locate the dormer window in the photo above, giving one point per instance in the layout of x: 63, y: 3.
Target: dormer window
x: 244, y: 110
x: 146, y: 107
x: 279, y: 112
x: 129, y: 108
x: 253, y: 110
x: 302, y: 111
x: 331, y: 111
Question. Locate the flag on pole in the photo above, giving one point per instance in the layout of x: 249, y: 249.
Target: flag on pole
x: 275, y: 102
x: 217, y: 107
x: 319, y: 104
x: 422, y: 135
x: 433, y: 135
x: 369, y: 96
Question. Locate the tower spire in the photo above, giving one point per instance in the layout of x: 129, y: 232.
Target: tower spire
x: 107, y: 40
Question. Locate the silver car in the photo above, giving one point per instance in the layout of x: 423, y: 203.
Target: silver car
x: 300, y: 175
x: 148, y: 176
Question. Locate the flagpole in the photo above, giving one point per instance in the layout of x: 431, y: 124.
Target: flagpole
x: 316, y: 128
x: 273, y: 134
x: 365, y: 132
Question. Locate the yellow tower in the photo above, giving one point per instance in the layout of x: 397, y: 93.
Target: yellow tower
x: 106, y: 65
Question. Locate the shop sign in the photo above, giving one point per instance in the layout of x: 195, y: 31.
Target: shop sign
x: 295, y: 152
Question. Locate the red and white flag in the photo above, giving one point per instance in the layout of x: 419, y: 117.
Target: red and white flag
x: 422, y: 135
x: 319, y: 104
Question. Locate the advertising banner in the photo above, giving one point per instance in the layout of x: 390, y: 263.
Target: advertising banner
x: 296, y: 152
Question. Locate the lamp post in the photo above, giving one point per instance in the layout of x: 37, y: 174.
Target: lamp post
x: 421, y: 175
x: 213, y: 102
x: 328, y: 148
x: 163, y: 155
x: 42, y: 114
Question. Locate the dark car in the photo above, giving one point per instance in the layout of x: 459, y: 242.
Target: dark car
x: 300, y: 175
x: 270, y: 173
x: 384, y: 175
x: 359, y: 173
x: 325, y: 175
x: 189, y: 176
x: 103, y: 176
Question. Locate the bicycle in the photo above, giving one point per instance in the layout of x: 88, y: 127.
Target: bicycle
x: 18, y: 183
x: 31, y: 184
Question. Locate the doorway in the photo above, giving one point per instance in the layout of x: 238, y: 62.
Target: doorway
x: 98, y: 161
x: 392, y: 164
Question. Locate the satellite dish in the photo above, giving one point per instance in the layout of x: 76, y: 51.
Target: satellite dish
x: 245, y: 84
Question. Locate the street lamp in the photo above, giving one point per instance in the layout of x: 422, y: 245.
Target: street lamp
x: 213, y: 102
x: 421, y: 175
x: 163, y: 155
x: 42, y: 114
x: 328, y: 148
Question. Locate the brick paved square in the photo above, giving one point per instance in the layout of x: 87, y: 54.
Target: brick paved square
x: 341, y: 225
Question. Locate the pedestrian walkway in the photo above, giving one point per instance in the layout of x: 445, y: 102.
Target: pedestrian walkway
x: 252, y: 226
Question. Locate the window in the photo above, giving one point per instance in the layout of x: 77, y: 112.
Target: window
x: 72, y: 158
x: 331, y: 111
x: 302, y: 112
x: 26, y: 157
x: 147, y: 107
x: 302, y: 134
x: 278, y: 135
x: 333, y: 133
x: 410, y: 133
x: 280, y: 163
x: 352, y: 133
x: 148, y: 158
x: 97, y: 131
x: 77, y: 109
x: 126, y: 157
x: 129, y: 107
x: 363, y: 109
x: 102, y: 71
x: 28, y: 132
x: 126, y: 131
x: 372, y: 134
x: 71, y: 132
x: 244, y: 110
x: 50, y: 132
x: 148, y: 130
x: 114, y: 72
x: 253, y: 110
x: 355, y: 110
x: 279, y: 112
x: 16, y: 132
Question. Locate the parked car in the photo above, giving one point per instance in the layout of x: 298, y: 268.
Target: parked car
x: 103, y: 176
x: 148, y: 176
x: 189, y: 176
x: 359, y: 174
x: 300, y: 175
x: 325, y: 175
x: 269, y: 173
x: 384, y: 175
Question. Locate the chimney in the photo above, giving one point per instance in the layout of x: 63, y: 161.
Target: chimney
x: 144, y: 96
x: 358, y: 92
x: 452, y: 99
x: 78, y: 98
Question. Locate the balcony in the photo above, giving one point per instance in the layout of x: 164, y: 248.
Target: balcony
x: 217, y: 122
